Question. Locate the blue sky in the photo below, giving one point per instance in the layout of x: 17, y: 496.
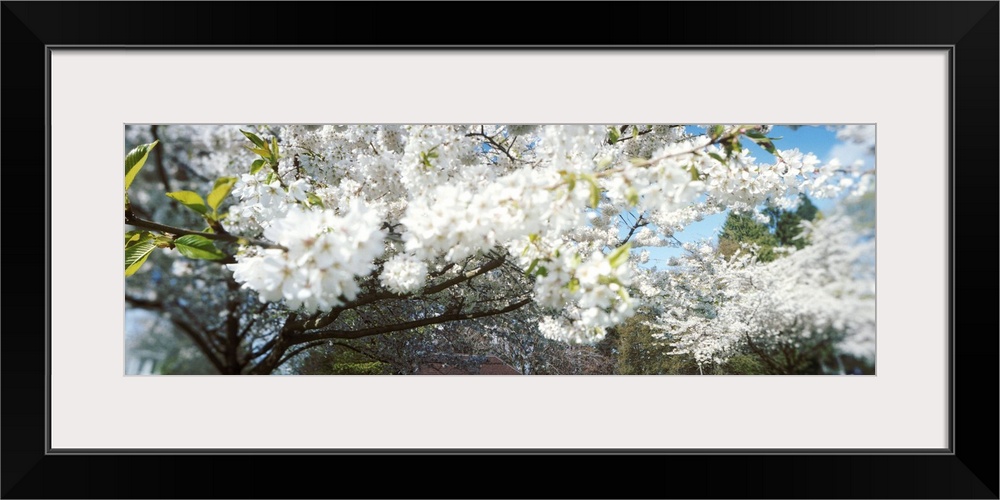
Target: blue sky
x: 816, y: 139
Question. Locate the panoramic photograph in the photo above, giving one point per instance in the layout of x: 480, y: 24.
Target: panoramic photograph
x: 500, y: 249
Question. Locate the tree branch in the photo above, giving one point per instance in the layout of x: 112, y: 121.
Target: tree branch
x: 158, y: 154
x: 762, y: 355
x: 443, y: 270
x: 132, y: 220
x: 264, y: 348
x: 466, y: 276
x: 275, y: 348
x: 144, y: 303
x: 332, y: 316
x: 363, y: 353
x: 378, y: 330
x: 494, y: 144
x: 253, y: 319
x: 206, y: 350
x: 638, y: 223
x: 624, y: 128
x: 296, y: 351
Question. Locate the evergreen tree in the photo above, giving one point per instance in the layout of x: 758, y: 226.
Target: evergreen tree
x: 782, y: 230
x: 742, y: 228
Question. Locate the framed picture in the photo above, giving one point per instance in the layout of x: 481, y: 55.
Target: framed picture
x: 924, y: 74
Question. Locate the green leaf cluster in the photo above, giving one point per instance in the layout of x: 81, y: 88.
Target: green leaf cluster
x: 267, y: 151
x: 194, y: 201
x: 427, y: 156
x: 140, y: 244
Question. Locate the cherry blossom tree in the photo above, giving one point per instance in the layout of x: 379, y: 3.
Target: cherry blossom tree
x: 279, y: 239
x: 816, y: 303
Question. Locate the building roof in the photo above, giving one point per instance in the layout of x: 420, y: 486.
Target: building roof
x: 491, y: 366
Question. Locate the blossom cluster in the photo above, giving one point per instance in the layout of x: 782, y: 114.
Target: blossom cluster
x: 418, y: 197
x: 596, y: 291
x: 822, y: 293
x: 324, y: 254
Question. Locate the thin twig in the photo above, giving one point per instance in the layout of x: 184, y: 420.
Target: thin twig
x: 132, y: 220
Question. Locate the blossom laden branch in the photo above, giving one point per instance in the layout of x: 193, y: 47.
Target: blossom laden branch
x: 433, y: 320
x: 383, y: 224
x: 132, y: 220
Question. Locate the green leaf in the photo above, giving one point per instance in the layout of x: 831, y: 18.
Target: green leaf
x: 619, y: 256
x: 256, y: 166
x: 573, y: 285
x: 135, y: 236
x: 198, y: 247
x: 695, y: 174
x: 314, y: 200
x: 717, y: 156
x: 763, y: 141
x: 755, y: 134
x: 261, y: 151
x: 274, y: 149
x: 191, y: 200
x: 427, y: 156
x: 613, y: 135
x: 715, y: 131
x: 219, y: 192
x: 633, y: 197
x: 137, y: 253
x: 253, y: 138
x: 135, y: 159
x: 531, y: 268
x: 730, y: 148
x: 543, y: 271
x: 769, y: 147
x: 595, y: 191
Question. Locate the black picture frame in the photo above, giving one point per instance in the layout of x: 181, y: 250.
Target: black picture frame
x: 968, y: 30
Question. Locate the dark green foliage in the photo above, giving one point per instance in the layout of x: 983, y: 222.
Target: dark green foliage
x: 742, y: 364
x: 783, y: 230
x: 334, y: 359
x: 369, y: 368
x: 785, y: 224
x: 741, y: 228
x: 638, y: 352
x: 807, y: 210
